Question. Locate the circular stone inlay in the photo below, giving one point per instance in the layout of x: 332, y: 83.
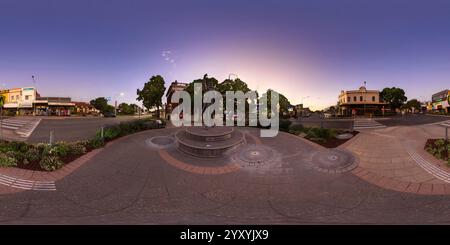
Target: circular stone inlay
x: 334, y: 161
x: 254, y: 156
x: 160, y: 142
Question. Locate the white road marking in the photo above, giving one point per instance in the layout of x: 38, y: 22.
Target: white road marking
x: 429, y: 167
x: 27, y: 184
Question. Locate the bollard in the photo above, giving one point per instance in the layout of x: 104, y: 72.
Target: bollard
x: 51, y: 138
x: 446, y: 133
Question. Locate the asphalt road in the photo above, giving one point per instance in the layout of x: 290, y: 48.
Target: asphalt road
x: 72, y: 129
x: 412, y: 119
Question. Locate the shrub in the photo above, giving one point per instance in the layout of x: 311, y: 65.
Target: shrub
x: 284, y: 125
x: 95, y: 143
x: 7, y: 161
x: 296, y: 128
x: 61, y: 149
x: 33, y: 154
x: 438, y: 148
x: 17, y: 155
x: 321, y: 133
x: 51, y: 163
x: 76, y: 148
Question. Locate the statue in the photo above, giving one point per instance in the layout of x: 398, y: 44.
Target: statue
x: 207, y: 85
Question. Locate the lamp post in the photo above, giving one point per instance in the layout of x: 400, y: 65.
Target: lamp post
x: 116, y: 95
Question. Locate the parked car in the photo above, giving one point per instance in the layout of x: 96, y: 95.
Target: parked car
x: 109, y: 114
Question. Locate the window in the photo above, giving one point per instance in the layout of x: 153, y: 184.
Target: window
x: 12, y: 97
x: 373, y: 98
x: 354, y: 98
x: 349, y: 99
x: 26, y: 97
x: 17, y: 97
x: 360, y: 98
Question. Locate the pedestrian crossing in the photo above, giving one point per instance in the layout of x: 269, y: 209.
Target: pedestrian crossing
x: 366, y: 124
x: 22, y: 127
x: 445, y: 124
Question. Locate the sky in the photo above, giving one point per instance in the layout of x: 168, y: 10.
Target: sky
x: 309, y: 50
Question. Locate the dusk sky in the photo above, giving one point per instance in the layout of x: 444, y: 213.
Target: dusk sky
x: 87, y: 49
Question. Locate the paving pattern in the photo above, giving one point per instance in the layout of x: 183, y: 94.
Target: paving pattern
x: 132, y: 182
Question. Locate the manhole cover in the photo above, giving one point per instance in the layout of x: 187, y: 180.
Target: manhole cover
x: 334, y: 161
x: 160, y: 142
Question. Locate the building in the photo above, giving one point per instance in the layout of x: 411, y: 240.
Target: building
x: 19, y: 101
x: 300, y: 111
x: 53, y: 106
x: 27, y: 101
x: 360, y: 102
x: 84, y: 108
x: 175, y: 86
x: 441, y: 101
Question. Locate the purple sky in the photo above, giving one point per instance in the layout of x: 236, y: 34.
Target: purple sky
x: 86, y: 49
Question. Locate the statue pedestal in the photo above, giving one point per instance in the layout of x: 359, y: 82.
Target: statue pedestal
x: 208, y: 141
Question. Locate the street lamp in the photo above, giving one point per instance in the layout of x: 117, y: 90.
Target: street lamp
x: 116, y: 95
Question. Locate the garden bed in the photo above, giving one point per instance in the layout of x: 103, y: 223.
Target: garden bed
x: 46, y: 157
x: 322, y: 136
x: 439, y: 148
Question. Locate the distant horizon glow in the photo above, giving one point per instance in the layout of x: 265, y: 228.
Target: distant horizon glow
x: 86, y: 49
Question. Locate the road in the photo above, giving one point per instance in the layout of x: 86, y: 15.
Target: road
x: 72, y: 129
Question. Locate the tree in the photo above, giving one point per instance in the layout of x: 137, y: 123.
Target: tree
x: 152, y: 93
x: 414, y: 103
x: 211, y: 80
x: 232, y: 85
x: 101, y: 104
x: 395, y: 97
x: 126, y: 109
x: 283, y: 101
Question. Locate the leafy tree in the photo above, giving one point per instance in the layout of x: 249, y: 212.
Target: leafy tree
x: 414, y: 103
x: 190, y: 87
x: 101, y: 104
x: 126, y: 109
x: 232, y: 85
x: 152, y: 93
x: 395, y: 97
x: 283, y: 101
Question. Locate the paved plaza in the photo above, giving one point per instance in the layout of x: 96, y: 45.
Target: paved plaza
x: 382, y: 176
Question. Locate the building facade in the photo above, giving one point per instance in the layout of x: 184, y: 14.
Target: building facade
x: 441, y: 101
x: 175, y: 86
x: 27, y: 101
x: 360, y: 102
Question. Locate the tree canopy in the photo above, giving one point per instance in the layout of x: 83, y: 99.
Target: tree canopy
x: 101, y: 104
x: 395, y: 97
x: 414, y: 103
x: 284, y: 102
x: 126, y: 109
x: 152, y: 93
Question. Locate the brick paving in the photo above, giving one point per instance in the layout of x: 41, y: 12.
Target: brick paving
x: 129, y: 182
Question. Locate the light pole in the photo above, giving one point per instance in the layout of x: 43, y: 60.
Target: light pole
x: 116, y: 95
